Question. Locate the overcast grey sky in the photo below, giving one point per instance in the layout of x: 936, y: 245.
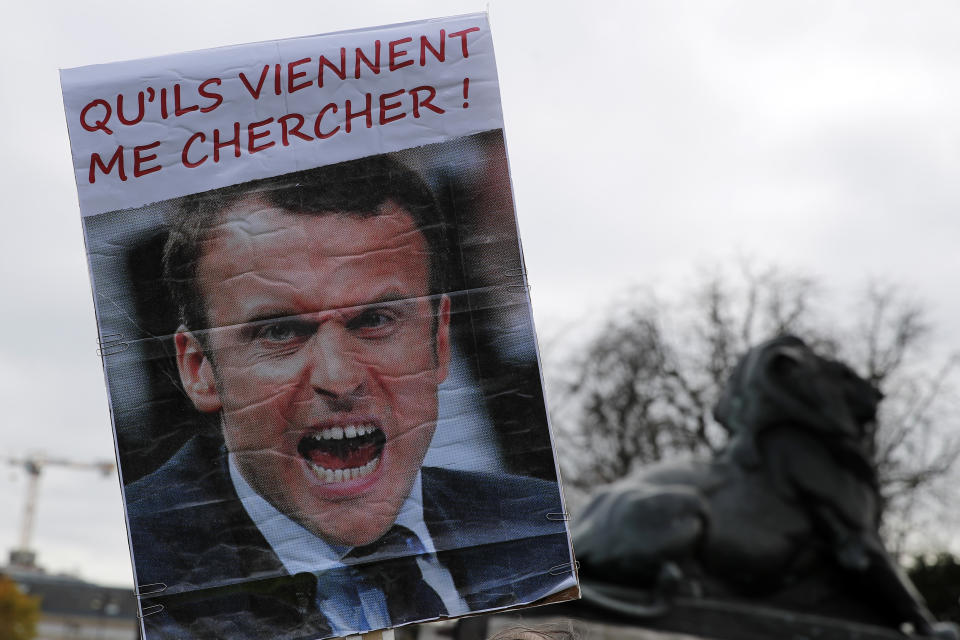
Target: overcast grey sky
x: 645, y: 138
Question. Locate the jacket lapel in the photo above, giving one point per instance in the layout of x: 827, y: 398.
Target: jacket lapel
x: 458, y: 530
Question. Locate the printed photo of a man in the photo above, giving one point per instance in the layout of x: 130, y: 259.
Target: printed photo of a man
x: 314, y: 329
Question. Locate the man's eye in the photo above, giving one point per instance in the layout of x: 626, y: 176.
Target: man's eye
x: 283, y: 331
x: 374, y: 322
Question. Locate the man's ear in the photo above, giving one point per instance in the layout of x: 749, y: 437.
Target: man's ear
x: 443, y: 338
x: 196, y: 372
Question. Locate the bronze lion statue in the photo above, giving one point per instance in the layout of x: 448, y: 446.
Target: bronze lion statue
x: 787, y: 515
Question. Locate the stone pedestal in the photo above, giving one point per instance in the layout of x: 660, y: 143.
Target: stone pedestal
x: 687, y: 619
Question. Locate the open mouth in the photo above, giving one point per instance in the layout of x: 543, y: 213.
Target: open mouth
x: 339, y: 454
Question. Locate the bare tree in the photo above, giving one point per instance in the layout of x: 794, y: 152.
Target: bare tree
x: 915, y: 449
x: 643, y: 388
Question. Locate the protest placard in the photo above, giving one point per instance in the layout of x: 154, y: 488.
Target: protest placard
x: 316, y: 334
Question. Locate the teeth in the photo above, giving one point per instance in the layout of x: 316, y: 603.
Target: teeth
x: 339, y: 433
x: 341, y: 475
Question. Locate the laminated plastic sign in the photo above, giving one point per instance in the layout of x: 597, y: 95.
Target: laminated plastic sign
x: 316, y: 334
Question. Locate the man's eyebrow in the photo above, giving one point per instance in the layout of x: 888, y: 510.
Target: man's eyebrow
x: 388, y: 298
x: 268, y: 315
x: 281, y: 313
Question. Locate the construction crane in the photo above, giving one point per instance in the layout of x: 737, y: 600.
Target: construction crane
x: 24, y: 556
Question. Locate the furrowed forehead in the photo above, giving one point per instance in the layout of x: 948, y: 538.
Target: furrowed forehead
x: 253, y: 234
x: 297, y: 195
x: 262, y: 259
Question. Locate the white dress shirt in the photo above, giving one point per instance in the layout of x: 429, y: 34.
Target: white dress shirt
x: 301, y: 551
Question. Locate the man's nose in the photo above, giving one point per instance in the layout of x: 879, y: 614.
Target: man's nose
x: 335, y: 370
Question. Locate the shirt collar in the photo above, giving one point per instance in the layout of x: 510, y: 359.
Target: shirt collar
x: 298, y: 549
x: 411, y: 515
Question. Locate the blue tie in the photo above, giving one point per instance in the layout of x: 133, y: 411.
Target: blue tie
x: 339, y: 599
x: 390, y: 564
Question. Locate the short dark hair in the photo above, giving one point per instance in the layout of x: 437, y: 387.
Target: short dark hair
x: 540, y: 632
x: 353, y: 188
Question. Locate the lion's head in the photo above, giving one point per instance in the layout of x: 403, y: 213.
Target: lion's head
x: 783, y: 382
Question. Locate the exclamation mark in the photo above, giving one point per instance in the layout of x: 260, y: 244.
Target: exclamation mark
x: 466, y: 92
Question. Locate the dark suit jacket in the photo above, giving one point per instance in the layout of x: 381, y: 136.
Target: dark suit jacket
x: 221, y: 579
